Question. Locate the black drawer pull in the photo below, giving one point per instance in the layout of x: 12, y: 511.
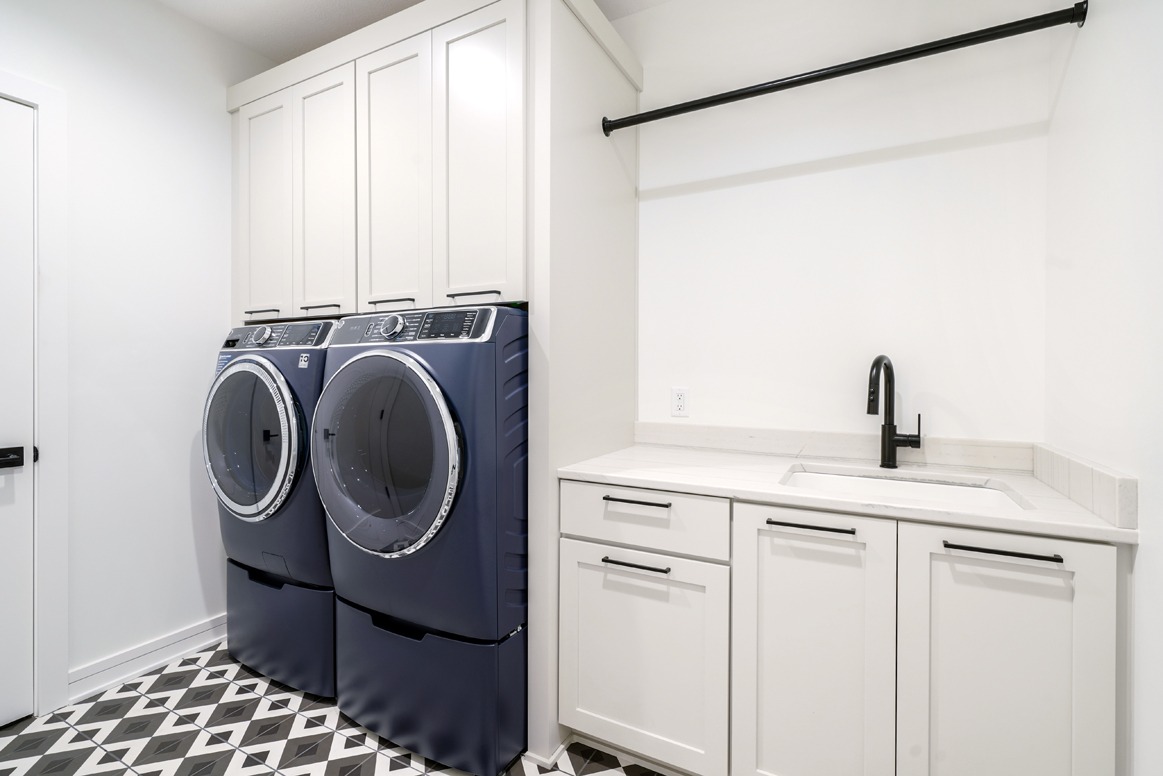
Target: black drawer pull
x: 319, y: 306
x: 473, y: 293
x: 411, y: 299
x: 812, y: 527
x: 1007, y: 553
x: 639, y: 503
x: 266, y: 310
x: 629, y: 565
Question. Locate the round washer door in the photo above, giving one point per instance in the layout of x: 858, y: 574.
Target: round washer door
x: 385, y: 453
x: 251, y: 438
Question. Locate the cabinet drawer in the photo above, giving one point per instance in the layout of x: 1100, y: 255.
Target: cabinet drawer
x: 659, y: 520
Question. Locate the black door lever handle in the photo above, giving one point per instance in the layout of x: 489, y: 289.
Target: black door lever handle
x: 11, y: 457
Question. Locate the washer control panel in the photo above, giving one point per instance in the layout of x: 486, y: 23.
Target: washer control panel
x: 460, y: 324
x: 279, y: 335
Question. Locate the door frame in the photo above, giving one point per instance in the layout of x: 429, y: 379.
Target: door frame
x: 51, y: 423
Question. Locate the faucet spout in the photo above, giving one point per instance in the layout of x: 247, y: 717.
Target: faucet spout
x: 878, y: 364
x: 890, y: 440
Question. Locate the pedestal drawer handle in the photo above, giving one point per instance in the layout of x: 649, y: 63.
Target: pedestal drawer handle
x: 612, y: 562
x: 1007, y: 553
x: 851, y: 531
x: 639, y: 503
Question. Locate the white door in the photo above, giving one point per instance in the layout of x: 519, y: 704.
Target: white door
x: 17, y: 291
x: 644, y: 658
x: 1006, y: 654
x: 394, y: 146
x: 813, y: 644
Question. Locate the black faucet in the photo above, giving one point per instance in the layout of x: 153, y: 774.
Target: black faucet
x: 890, y: 440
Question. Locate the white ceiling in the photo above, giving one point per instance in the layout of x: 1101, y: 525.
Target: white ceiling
x: 284, y: 29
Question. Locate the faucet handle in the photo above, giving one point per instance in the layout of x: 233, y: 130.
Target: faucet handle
x: 915, y: 439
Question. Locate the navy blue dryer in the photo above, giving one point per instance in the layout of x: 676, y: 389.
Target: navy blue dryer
x: 280, y: 602
x: 419, y: 447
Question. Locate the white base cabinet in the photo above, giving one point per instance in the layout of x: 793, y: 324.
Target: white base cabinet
x: 1007, y: 654
x: 813, y: 643
x: 644, y: 653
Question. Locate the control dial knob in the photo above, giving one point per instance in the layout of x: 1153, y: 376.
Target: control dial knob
x: 391, y: 326
x: 262, y: 334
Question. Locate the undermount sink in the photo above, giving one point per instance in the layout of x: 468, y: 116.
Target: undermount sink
x: 955, y: 491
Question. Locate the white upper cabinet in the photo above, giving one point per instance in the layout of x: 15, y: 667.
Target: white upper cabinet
x: 813, y: 643
x: 295, y: 161
x: 1006, y: 654
x: 323, y: 247
x: 478, y: 156
x: 394, y: 174
x: 263, y: 250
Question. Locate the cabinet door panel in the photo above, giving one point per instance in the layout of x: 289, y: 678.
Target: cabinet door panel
x: 644, y: 653
x: 394, y: 142
x: 324, y: 169
x: 813, y: 644
x: 265, y: 207
x: 479, y: 243
x: 1006, y: 664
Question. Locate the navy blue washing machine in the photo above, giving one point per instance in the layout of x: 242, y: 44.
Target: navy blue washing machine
x: 280, y: 612
x: 419, y: 447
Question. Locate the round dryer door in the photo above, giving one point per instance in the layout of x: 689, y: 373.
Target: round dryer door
x: 385, y: 453
x: 251, y: 438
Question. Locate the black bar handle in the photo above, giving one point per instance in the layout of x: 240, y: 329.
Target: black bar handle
x: 319, y: 306
x: 639, y: 503
x: 851, y: 531
x: 388, y: 301
x: 1075, y: 15
x: 265, y: 310
x: 473, y: 293
x: 1007, y: 553
x: 627, y: 564
x: 11, y: 457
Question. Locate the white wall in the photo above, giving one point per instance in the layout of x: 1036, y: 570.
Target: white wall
x: 149, y: 253
x: 789, y: 239
x: 1104, y: 331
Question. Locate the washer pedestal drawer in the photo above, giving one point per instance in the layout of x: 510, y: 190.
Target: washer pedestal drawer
x: 282, y: 630
x: 460, y: 703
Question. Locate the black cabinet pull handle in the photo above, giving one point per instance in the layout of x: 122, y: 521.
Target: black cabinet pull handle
x: 627, y: 564
x: 387, y: 301
x: 319, y: 306
x: 473, y: 293
x: 11, y: 457
x: 1007, y: 553
x: 639, y: 503
x: 266, y: 310
x: 851, y: 531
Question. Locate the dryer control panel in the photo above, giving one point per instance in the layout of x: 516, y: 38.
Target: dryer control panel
x: 457, y: 325
x: 279, y: 335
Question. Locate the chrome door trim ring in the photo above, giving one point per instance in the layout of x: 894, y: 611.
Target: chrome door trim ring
x: 450, y: 486
x: 273, y: 379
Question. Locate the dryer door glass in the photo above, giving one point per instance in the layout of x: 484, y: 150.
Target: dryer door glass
x: 385, y: 453
x: 250, y: 438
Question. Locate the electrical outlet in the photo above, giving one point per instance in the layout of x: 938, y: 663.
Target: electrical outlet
x: 680, y: 402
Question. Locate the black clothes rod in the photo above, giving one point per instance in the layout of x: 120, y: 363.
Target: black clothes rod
x: 1075, y: 15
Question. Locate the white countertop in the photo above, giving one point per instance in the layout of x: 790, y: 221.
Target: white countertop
x: 757, y: 477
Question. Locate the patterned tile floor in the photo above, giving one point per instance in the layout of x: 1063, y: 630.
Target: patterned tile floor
x: 206, y: 715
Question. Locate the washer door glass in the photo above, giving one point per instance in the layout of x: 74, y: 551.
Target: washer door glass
x: 385, y: 453
x: 250, y: 437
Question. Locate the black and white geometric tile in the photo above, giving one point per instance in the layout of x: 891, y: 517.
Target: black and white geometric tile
x: 207, y: 715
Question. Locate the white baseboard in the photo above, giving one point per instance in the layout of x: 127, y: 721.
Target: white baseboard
x: 553, y: 758
x: 115, y: 669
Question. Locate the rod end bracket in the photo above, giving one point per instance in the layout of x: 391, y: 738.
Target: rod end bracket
x: 1080, y: 10
x: 606, y: 129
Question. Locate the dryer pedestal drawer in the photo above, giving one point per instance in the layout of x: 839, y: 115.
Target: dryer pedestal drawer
x: 461, y: 703
x: 280, y: 629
